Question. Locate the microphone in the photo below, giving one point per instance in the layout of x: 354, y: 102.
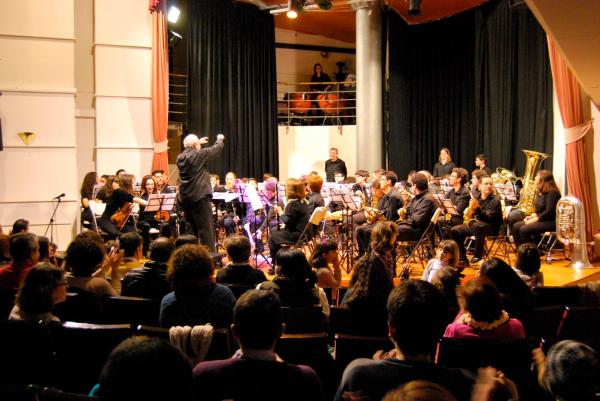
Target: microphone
x: 59, y: 196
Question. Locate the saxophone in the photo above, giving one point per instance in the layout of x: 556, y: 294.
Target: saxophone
x: 570, y: 230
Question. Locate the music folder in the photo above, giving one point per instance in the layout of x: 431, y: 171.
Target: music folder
x: 341, y: 195
x: 225, y: 196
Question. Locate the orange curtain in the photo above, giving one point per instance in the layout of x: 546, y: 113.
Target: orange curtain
x: 160, y: 84
x: 569, y: 103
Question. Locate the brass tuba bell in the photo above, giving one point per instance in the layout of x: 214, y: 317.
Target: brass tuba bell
x: 505, y: 175
x: 570, y: 230
x: 527, y: 194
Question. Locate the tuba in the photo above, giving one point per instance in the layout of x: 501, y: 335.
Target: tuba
x: 528, y: 192
x: 570, y: 230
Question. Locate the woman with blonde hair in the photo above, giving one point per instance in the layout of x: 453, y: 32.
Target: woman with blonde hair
x: 294, y: 217
x: 444, y: 165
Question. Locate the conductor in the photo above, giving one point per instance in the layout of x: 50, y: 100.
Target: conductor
x: 195, y: 191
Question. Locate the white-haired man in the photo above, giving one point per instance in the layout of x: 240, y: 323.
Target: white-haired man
x: 195, y: 191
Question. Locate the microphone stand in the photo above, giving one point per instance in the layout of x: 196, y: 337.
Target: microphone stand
x: 50, y: 225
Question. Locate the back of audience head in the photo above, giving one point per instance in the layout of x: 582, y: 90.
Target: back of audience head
x: 315, y: 183
x: 481, y: 299
x: 44, y: 247
x: 189, y: 267
x: 257, y: 319
x: 505, y: 278
x: 143, y: 368
x: 43, y: 287
x: 318, y: 256
x: 131, y: 243
x: 408, y: 303
x: 161, y: 249
x: 371, y: 283
x: 83, y: 257
x: 238, y: 248
x: 383, y: 236
x: 186, y: 239
x: 419, y: 390
x: 24, y: 249
x: 20, y: 226
x: 4, y: 249
x: 528, y: 259
x: 572, y: 371
x: 294, y: 266
x: 91, y: 235
x: 420, y: 181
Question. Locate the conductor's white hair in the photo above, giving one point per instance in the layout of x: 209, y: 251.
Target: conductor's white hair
x: 190, y: 140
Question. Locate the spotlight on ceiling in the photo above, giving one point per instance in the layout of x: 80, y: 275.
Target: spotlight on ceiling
x: 173, y: 14
x: 174, y: 38
x: 414, y: 7
x: 292, y: 11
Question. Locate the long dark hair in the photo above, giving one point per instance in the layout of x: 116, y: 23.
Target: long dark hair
x: 317, y: 259
x: 315, y: 70
x: 87, y: 186
x: 548, y: 183
x: 36, y: 294
x: 371, y: 284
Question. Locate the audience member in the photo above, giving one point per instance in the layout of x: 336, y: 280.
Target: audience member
x: 419, y: 390
x: 87, y: 264
x: 481, y: 314
x: 370, y: 285
x: 20, y: 226
x: 528, y: 265
x: 44, y: 246
x: 4, y: 249
x: 44, y: 287
x: 131, y: 244
x: 196, y: 298
x: 447, y: 256
x: 570, y: 372
x: 296, y: 281
x: 186, y: 239
x: 257, y: 326
x: 239, y: 271
x: 150, y: 281
x: 517, y: 297
x: 417, y: 313
x: 24, y: 251
x: 143, y: 368
x: 326, y: 253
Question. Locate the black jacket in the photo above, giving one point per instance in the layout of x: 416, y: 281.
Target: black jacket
x: 194, y: 178
x: 148, y: 281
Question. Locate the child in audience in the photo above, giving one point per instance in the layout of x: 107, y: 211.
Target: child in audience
x: 528, y: 265
x: 325, y: 253
x: 447, y: 256
x: 44, y: 287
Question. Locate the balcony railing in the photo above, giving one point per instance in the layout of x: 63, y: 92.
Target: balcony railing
x: 336, y: 106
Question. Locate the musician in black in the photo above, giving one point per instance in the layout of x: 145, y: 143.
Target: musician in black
x: 487, y: 212
x: 121, y: 198
x: 459, y: 196
x: 544, y: 219
x: 476, y: 178
x: 419, y: 211
x: 234, y: 213
x: 388, y: 206
x: 480, y: 162
x: 270, y: 199
x: 162, y: 182
x: 334, y: 165
x: 195, y: 192
x: 295, y: 217
x: 444, y: 165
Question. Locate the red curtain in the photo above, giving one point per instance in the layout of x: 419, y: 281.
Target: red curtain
x: 160, y: 84
x: 569, y: 103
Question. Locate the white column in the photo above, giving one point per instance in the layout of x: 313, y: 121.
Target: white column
x: 368, y: 85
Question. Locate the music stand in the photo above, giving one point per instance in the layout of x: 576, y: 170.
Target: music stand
x: 341, y: 195
x: 222, y: 197
x: 249, y: 196
x: 506, y: 191
x: 160, y: 203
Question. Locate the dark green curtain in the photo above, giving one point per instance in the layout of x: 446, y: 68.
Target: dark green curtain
x: 479, y: 82
x: 232, y: 83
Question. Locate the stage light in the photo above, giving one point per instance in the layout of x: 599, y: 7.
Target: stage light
x: 292, y: 11
x: 414, y: 7
x: 173, y: 14
x: 174, y: 38
x: 324, y: 4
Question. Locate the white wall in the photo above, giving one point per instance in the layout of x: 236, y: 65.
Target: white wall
x: 304, y: 149
x: 595, y: 175
x: 122, y: 49
x: 38, y: 86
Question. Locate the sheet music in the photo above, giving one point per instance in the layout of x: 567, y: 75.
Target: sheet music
x: 225, y: 196
x: 158, y: 202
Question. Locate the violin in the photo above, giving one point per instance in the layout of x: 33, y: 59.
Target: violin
x: 120, y: 217
x: 162, y: 216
